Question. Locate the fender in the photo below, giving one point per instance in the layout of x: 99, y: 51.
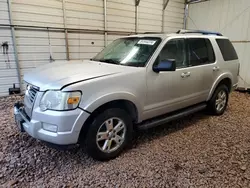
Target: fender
x: 95, y: 103
x: 218, y: 80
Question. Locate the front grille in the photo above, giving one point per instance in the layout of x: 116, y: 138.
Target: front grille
x: 29, y: 99
x: 32, y: 91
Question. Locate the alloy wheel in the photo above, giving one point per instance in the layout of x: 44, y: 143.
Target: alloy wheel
x: 221, y: 100
x: 111, y: 135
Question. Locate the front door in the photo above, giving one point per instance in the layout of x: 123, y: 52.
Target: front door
x: 167, y: 90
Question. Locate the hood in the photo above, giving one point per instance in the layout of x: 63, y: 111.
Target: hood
x: 56, y: 75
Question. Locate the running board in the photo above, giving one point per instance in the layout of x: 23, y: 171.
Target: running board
x: 170, y: 117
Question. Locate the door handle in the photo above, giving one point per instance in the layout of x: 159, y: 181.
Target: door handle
x: 185, y: 74
x: 216, y: 68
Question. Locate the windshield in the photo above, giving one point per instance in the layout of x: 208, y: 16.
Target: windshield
x: 131, y: 51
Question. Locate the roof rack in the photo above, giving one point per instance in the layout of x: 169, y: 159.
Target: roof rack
x: 199, y: 31
x: 153, y: 32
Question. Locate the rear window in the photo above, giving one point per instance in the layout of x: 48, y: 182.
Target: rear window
x: 227, y: 49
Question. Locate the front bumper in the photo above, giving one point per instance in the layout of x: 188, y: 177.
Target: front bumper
x: 69, y: 124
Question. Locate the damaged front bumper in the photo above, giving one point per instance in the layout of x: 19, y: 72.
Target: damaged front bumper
x: 67, y: 124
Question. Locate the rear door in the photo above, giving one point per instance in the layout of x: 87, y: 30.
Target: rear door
x: 203, y: 66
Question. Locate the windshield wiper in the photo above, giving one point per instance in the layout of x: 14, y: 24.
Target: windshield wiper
x: 112, y: 61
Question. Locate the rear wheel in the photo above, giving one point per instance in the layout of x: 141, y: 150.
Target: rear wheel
x: 109, y: 133
x: 218, y: 103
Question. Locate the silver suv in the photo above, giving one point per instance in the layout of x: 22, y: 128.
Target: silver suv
x: 136, y: 82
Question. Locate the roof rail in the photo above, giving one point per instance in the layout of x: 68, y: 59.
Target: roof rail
x: 153, y: 33
x: 199, y: 31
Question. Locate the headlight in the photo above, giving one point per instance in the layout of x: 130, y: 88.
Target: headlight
x: 60, y: 100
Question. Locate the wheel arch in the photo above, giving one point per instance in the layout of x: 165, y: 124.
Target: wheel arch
x: 96, y: 102
x: 124, y: 104
x: 223, y: 79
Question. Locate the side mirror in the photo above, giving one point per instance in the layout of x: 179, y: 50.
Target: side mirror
x: 165, y: 65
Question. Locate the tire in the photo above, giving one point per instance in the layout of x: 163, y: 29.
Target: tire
x: 105, y: 149
x: 213, y: 105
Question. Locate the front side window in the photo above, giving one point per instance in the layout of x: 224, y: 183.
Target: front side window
x: 131, y: 51
x: 174, y: 50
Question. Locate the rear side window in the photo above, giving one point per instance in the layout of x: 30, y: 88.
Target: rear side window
x: 200, y: 51
x: 227, y: 49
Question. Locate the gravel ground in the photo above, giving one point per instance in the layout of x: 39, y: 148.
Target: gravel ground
x: 196, y: 151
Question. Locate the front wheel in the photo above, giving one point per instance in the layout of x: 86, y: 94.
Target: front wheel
x: 109, y: 133
x: 218, y: 103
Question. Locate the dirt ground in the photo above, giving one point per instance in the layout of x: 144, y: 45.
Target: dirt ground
x: 196, y: 151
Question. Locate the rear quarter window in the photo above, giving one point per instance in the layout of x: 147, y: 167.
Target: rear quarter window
x: 227, y: 49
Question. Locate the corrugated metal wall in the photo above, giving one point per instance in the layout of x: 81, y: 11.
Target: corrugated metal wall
x: 34, y: 47
x: 232, y: 19
x: 150, y: 15
x: 121, y: 15
x: 8, y: 74
x: 84, y: 15
x: 40, y: 34
x: 84, y: 46
x: 174, y: 13
x: 46, y: 13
